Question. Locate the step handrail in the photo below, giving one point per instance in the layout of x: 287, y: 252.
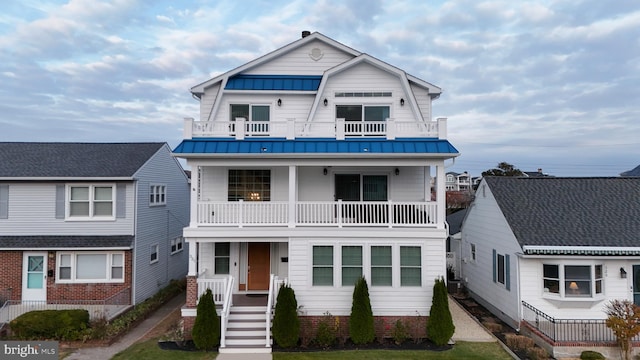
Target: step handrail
x: 226, y: 308
x: 273, y: 281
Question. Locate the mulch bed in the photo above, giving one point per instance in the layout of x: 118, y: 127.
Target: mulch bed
x: 349, y: 345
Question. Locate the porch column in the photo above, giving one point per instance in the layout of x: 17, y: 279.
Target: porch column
x: 195, y: 182
x: 293, y: 195
x: 441, y: 196
x: 427, y: 183
x: 193, y: 258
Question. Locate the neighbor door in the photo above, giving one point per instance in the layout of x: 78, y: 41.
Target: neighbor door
x: 258, y: 272
x: 34, y: 275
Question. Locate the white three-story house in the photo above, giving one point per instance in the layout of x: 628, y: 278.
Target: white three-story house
x: 314, y: 164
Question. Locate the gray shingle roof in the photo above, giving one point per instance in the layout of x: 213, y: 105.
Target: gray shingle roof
x: 633, y: 172
x: 600, y: 212
x: 455, y: 221
x: 69, y: 160
x: 62, y: 241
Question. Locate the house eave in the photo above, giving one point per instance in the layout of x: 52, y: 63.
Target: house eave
x: 61, y: 178
x: 581, y: 250
x: 53, y: 248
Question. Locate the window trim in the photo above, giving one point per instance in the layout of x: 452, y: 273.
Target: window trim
x: 157, y: 198
x: 265, y: 190
x: 351, y: 266
x: 154, y: 250
x: 73, y: 267
x: 176, y: 245
x: 332, y: 266
x: 562, y: 279
x: 91, y: 201
x: 217, y: 256
x: 372, y: 266
x: 420, y: 267
x: 506, y: 271
x: 473, y: 249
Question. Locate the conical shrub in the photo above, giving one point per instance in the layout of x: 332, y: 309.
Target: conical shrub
x: 361, y: 329
x: 286, y: 325
x: 206, y: 329
x: 440, y: 326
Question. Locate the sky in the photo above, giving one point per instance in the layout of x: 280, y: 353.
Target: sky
x: 551, y: 85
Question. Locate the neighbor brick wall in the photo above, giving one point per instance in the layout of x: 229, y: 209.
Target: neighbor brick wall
x: 11, y: 275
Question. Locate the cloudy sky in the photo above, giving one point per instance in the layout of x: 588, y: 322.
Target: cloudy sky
x: 538, y: 84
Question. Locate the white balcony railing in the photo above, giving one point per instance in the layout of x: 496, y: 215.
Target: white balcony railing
x: 328, y: 213
x: 292, y: 128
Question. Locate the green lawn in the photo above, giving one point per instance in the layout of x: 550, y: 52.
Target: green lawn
x: 462, y: 350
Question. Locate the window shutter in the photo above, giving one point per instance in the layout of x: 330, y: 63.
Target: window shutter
x: 121, y: 200
x: 4, y: 201
x: 495, y: 256
x: 60, y: 200
x: 507, y: 277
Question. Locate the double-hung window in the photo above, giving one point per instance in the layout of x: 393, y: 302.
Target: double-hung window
x: 91, y: 202
x: 381, y: 266
x: 410, y: 266
x: 222, y: 254
x: 157, y: 195
x: 257, y: 117
x: 176, y: 245
x: 573, y: 281
x: 322, y: 266
x: 351, y: 265
x: 80, y: 267
x: 153, y: 258
x: 501, y: 269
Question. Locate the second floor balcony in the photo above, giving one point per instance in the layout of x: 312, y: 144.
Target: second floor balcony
x: 295, y: 128
x: 317, y: 213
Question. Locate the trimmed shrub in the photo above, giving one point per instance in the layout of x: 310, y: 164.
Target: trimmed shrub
x: 361, y: 329
x: 206, y: 329
x: 50, y: 324
x: 326, y: 333
x: 519, y: 342
x: 440, y: 326
x: 286, y: 325
x: 399, y: 332
x: 537, y: 353
x: 591, y: 355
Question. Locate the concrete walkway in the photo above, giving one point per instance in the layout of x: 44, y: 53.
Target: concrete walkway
x: 134, y: 335
x: 467, y: 327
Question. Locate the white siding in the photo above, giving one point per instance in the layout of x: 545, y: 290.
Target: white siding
x: 298, y: 61
x: 394, y: 300
x: 423, y: 99
x: 35, y: 203
x: 207, y: 101
x: 293, y: 106
x: 486, y: 227
x: 160, y: 224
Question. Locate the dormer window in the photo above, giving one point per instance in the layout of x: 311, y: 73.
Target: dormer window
x: 256, y: 116
x: 363, y: 120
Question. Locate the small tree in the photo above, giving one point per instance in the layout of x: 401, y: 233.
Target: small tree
x: 206, y: 329
x: 286, y: 325
x: 440, y: 326
x: 623, y: 318
x: 361, y: 327
x: 503, y: 169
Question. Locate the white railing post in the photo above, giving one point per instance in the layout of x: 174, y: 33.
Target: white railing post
x: 390, y: 214
x: 391, y: 129
x: 187, y: 131
x: 270, y: 301
x: 339, y: 215
x: 240, y: 128
x: 340, y: 129
x: 291, y: 128
x: 226, y: 308
x: 442, y: 128
x: 240, y: 214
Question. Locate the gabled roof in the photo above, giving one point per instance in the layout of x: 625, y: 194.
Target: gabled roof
x: 324, y: 146
x: 73, y: 160
x: 455, y: 221
x: 550, y: 215
x: 633, y: 172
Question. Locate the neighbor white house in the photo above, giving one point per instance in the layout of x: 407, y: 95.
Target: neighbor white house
x: 313, y: 164
x: 547, y: 255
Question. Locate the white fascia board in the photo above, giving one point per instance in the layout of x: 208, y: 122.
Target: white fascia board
x: 271, y: 92
x: 322, y: 156
x: 433, y: 90
x: 319, y: 162
x: 199, y: 89
x: 66, y: 248
x: 36, y: 179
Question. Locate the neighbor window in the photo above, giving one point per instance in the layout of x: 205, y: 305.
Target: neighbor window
x: 351, y: 265
x: 176, y: 244
x: 154, y: 253
x: 410, y: 266
x: 381, y: 266
x: 577, y: 280
x: 222, y: 254
x: 91, y: 201
x: 501, y: 269
x: 249, y: 185
x: 90, y: 267
x: 322, y: 266
x: 157, y: 195
x: 473, y: 252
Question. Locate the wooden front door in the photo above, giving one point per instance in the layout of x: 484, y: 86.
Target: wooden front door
x: 259, y: 266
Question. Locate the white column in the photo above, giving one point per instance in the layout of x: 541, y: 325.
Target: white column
x: 442, y: 128
x: 293, y: 195
x: 291, y: 128
x: 240, y: 126
x: 195, y: 182
x: 441, y: 195
x: 340, y: 129
x: 193, y: 258
x: 187, y: 131
x: 427, y: 183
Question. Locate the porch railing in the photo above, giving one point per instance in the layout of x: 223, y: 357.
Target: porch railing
x: 218, y: 286
x: 294, y: 128
x: 224, y: 315
x: 328, y: 213
x: 568, y: 330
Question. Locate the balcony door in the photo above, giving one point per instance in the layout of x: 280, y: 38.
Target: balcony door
x: 358, y: 187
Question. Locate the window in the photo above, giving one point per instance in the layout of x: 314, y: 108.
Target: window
x: 154, y: 253
x: 501, y: 269
x: 363, y: 94
x: 257, y: 117
x: 357, y: 187
x: 351, y: 265
x: 473, y: 252
x: 410, y: 266
x: 322, y: 266
x: 381, y: 266
x: 222, y: 254
x: 157, y: 195
x: 176, y: 244
x: 358, y: 116
x: 577, y: 280
x: 84, y: 267
x: 249, y: 185
x: 91, y: 201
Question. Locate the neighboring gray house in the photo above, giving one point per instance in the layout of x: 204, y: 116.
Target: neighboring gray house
x: 90, y: 221
x: 547, y: 254
x: 633, y: 172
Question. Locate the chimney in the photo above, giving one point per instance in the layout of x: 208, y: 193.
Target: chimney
x: 539, y: 170
x: 306, y: 33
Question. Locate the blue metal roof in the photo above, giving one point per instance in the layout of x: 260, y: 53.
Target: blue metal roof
x: 274, y: 82
x: 315, y: 146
